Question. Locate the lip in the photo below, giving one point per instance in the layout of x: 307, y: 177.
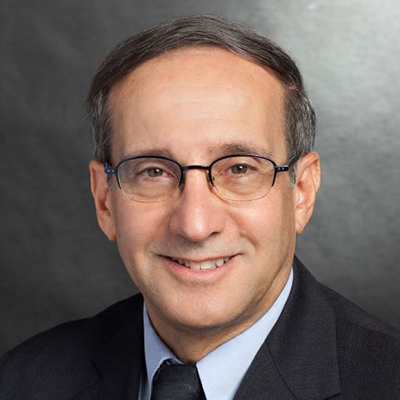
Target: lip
x: 189, y: 274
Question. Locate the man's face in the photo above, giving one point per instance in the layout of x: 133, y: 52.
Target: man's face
x: 195, y: 105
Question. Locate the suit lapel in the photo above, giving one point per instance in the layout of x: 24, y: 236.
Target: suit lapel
x: 263, y: 381
x: 299, y: 358
x: 119, y: 361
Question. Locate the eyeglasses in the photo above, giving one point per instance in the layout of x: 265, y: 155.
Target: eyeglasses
x: 235, y: 177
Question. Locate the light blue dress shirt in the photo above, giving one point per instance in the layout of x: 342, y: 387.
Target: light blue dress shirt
x: 221, y: 371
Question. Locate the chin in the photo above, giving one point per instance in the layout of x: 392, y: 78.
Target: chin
x: 207, y: 319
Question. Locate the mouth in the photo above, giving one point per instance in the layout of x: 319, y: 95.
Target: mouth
x: 208, y: 264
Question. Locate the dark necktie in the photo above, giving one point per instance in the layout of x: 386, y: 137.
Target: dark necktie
x: 177, y: 382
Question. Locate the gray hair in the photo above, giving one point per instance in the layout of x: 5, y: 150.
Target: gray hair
x: 202, y: 30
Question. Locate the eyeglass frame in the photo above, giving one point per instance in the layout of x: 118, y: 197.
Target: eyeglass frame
x: 108, y: 170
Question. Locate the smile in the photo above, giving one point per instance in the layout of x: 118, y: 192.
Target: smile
x: 204, y: 265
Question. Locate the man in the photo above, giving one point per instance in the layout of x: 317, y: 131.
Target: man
x: 204, y: 175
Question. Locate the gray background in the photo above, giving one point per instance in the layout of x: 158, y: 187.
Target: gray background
x: 55, y: 263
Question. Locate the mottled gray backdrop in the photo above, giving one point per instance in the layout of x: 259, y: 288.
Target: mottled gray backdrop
x: 55, y: 263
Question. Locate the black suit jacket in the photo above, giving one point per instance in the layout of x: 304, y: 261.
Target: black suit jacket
x: 322, y: 347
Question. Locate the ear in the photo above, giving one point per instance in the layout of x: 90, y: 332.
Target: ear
x: 308, y: 179
x: 101, y: 192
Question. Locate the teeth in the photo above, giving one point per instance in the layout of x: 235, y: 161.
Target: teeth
x: 195, y: 265
x: 208, y: 264
x: 220, y: 262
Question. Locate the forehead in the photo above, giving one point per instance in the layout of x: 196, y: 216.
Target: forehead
x: 199, y: 98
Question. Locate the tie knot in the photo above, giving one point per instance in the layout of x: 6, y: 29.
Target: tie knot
x: 177, y: 382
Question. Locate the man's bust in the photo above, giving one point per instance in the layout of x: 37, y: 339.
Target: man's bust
x: 204, y: 175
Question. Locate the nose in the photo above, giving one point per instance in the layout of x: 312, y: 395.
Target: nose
x: 198, y: 213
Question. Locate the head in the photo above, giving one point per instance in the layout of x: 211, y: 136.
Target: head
x: 196, y: 89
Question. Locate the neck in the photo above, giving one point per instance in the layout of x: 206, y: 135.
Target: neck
x: 190, y: 346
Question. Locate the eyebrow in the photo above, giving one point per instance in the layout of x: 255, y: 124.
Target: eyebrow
x: 154, y: 152
x: 241, y: 148
x: 224, y: 149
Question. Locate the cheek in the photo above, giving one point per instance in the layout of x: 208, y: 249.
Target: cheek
x: 263, y: 220
x: 138, y: 225
x: 268, y: 225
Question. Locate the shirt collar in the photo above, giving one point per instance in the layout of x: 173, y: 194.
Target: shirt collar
x: 229, y: 361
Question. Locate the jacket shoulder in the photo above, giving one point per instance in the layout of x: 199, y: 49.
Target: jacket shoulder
x: 346, y: 310
x: 368, y: 351
x: 59, y: 351
x: 369, y: 361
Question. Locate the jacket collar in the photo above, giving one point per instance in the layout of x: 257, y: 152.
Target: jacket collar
x: 299, y: 358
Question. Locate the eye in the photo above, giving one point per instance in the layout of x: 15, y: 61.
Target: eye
x: 154, y: 172
x: 148, y: 173
x: 239, y: 169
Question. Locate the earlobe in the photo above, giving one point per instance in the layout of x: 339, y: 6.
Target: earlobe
x: 308, y: 180
x: 101, y: 192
